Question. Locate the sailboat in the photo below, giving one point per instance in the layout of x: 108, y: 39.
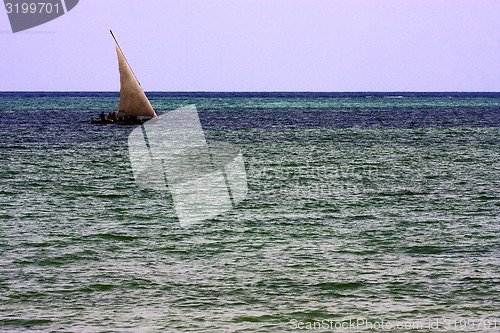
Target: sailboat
x: 133, y: 101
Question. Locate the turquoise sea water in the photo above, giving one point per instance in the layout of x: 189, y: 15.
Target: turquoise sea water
x: 362, y: 208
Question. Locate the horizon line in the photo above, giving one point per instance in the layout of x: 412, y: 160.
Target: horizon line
x: 259, y: 91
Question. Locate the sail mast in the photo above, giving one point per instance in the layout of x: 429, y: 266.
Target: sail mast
x: 119, y: 48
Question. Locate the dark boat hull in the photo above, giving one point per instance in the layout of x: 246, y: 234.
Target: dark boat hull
x: 118, y: 122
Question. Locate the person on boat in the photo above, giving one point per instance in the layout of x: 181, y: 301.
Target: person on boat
x: 110, y: 117
x: 102, y: 117
x: 113, y: 115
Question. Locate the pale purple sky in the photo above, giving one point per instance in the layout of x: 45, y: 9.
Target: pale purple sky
x: 260, y: 45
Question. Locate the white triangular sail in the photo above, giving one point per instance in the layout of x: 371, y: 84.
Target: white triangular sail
x: 133, y: 101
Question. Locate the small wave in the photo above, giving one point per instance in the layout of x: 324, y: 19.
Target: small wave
x: 255, y: 319
x: 97, y: 287
x: 339, y: 285
x: 113, y: 237
x: 486, y: 198
x: 423, y: 249
x: 108, y: 196
x: 363, y: 217
x: 25, y: 323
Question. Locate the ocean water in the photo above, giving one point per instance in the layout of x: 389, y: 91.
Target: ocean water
x: 365, y: 212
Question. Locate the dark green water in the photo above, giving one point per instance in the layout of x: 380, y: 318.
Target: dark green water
x: 360, y: 207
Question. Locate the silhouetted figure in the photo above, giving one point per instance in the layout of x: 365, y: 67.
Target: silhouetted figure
x: 102, y: 117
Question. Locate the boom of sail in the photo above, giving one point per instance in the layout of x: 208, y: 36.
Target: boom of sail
x: 133, y: 100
